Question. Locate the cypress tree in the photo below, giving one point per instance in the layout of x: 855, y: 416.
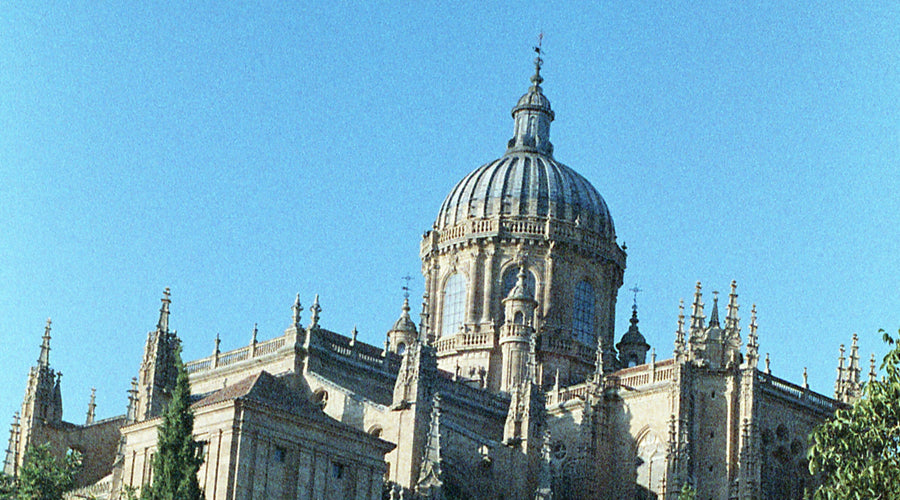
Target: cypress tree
x: 177, y: 458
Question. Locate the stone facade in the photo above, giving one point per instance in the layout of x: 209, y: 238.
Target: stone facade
x: 510, y: 387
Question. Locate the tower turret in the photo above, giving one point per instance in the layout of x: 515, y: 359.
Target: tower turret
x: 516, y: 334
x: 156, y: 377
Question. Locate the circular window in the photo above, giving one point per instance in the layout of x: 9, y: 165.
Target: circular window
x: 558, y: 450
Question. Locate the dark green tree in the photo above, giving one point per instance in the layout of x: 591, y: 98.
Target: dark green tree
x: 44, y: 476
x: 856, y: 453
x: 7, y: 487
x: 177, y: 458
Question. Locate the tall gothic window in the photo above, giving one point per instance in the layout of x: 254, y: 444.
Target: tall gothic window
x: 583, y: 313
x: 454, y: 304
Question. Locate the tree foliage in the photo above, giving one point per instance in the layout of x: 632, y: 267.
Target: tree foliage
x: 687, y: 492
x: 856, y: 453
x: 177, y: 459
x: 43, y: 476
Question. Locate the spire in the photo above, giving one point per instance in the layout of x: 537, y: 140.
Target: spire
x: 296, y: 308
x: 532, y: 115
x: 91, y: 407
x: 314, y: 311
x: 839, y: 382
x: 163, y: 324
x: 44, y: 358
x: 872, y: 373
x: 423, y: 319
x: 697, y: 310
x: 752, y: 344
x: 853, y: 375
x: 732, y: 320
x: 714, y: 316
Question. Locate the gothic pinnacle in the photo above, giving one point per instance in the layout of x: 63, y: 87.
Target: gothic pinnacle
x: 714, y: 316
x: 163, y: 324
x: 697, y: 317
x: 732, y: 320
x: 44, y: 358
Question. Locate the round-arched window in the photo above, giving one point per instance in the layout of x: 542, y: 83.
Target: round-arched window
x: 583, y: 313
x: 454, y: 304
x: 401, y: 348
x: 320, y: 398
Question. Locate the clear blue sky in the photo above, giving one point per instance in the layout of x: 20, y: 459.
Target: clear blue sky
x: 240, y: 154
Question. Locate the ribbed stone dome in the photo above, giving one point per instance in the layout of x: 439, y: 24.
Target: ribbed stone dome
x: 528, y: 185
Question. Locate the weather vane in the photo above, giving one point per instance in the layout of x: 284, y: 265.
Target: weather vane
x: 538, y: 49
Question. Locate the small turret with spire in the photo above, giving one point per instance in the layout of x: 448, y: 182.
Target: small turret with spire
x: 517, y: 334
x: 633, y: 347
x: 404, y: 332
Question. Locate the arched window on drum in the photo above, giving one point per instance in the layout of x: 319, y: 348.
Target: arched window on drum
x: 454, y: 309
x: 509, y: 281
x: 583, y: 313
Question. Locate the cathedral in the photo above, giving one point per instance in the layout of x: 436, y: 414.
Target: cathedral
x: 513, y: 384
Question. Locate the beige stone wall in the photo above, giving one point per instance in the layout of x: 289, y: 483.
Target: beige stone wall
x: 252, y: 452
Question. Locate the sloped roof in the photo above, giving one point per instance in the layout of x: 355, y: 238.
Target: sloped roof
x: 264, y: 388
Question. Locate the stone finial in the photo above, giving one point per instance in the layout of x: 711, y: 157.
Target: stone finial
x: 314, y: 311
x: 91, y: 407
x: 44, y: 357
x: 216, y: 350
x: 255, y: 333
x: 353, y: 335
x: 768, y: 365
x: 805, y: 379
x: 296, y: 309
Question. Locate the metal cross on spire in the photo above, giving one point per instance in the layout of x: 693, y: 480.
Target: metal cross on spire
x: 635, y: 290
x: 405, y: 287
